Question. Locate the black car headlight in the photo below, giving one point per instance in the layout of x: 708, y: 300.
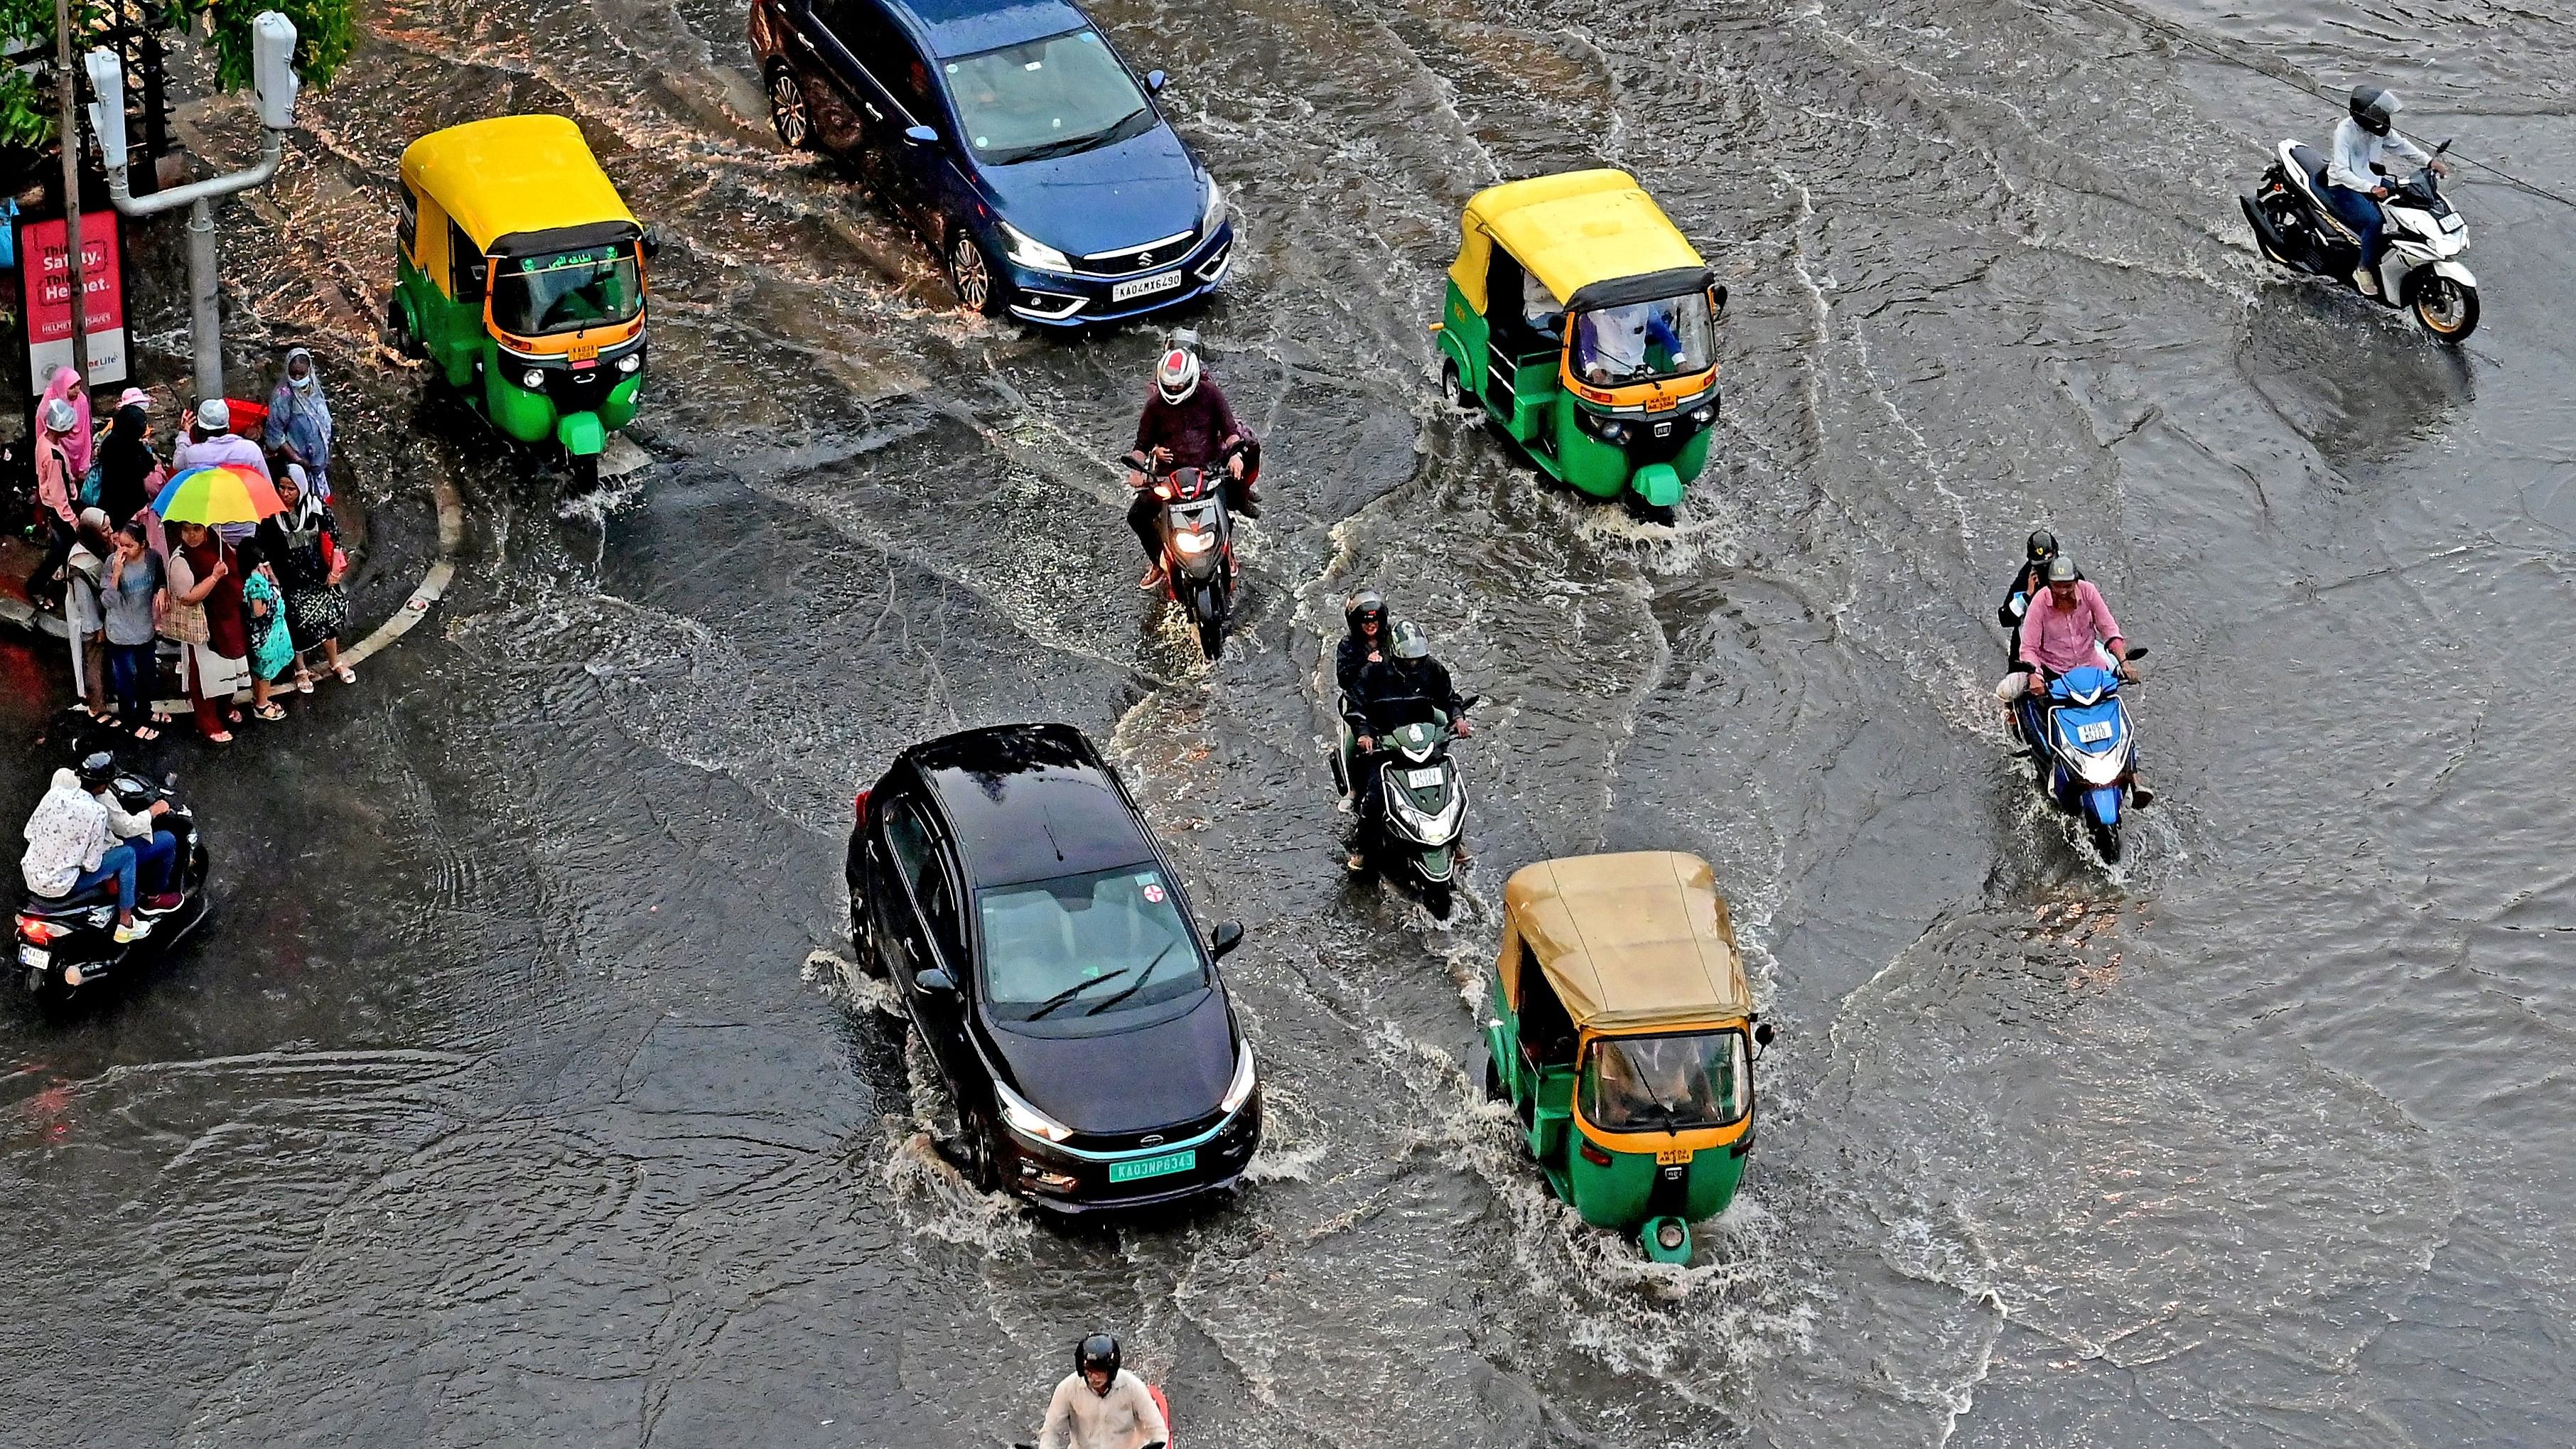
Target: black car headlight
x: 1239, y: 1091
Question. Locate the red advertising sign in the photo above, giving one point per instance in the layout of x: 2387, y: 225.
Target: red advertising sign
x: 43, y: 265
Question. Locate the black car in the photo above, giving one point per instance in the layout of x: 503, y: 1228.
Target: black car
x: 1045, y: 951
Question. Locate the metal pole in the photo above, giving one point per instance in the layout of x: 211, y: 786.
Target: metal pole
x: 69, y: 133
x: 205, y: 301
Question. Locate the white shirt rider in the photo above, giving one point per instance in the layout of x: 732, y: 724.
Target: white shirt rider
x: 1081, y: 1417
x: 2354, y: 151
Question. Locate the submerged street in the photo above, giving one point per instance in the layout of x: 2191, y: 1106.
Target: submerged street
x: 520, y: 1089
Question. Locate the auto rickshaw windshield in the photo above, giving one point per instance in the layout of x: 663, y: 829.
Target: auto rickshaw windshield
x: 567, y: 291
x: 1666, y: 1083
x: 1644, y: 341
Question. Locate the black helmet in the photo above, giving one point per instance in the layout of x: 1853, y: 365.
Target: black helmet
x: 1099, y: 1351
x: 97, y: 769
x: 2376, y: 107
x: 1409, y: 641
x: 2043, y: 545
x: 1364, y: 604
x: 2062, y: 570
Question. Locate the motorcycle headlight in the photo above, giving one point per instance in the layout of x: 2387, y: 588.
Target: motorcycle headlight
x: 532, y: 379
x: 1027, y: 1120
x: 1215, y: 211
x: 1030, y: 252
x: 1192, y: 542
x: 1240, y: 1090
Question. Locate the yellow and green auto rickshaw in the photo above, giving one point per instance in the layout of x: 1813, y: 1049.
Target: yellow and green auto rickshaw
x: 1624, y: 1034
x: 1586, y: 326
x: 521, y: 281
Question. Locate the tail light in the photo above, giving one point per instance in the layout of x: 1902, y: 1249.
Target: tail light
x: 1595, y: 1155
x: 859, y: 808
x: 39, y: 930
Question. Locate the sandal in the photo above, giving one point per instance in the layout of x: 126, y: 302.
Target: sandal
x: 146, y: 733
x: 271, y: 712
x: 348, y: 674
x: 220, y: 737
x: 303, y: 682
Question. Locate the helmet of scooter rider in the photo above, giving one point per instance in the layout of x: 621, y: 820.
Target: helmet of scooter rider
x: 1178, y: 375
x: 1098, y: 1352
x: 97, y: 770
x: 1367, y: 606
x: 2376, y: 107
x: 2043, y: 545
x: 1409, y: 641
x: 2061, y: 570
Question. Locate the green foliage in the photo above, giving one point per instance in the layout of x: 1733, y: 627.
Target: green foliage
x: 324, y: 32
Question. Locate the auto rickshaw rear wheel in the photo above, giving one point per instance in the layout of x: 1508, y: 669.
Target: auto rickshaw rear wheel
x: 1453, y: 389
x: 1493, y: 1079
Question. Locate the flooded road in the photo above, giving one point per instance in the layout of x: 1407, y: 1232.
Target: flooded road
x: 520, y: 1093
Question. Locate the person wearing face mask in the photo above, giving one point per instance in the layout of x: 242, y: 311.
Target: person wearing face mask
x: 57, y: 486
x: 299, y: 422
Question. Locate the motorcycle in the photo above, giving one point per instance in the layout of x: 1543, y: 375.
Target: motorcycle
x: 1197, y: 534
x: 2080, y: 743
x: 70, y: 943
x: 2419, y: 268
x: 1419, y: 810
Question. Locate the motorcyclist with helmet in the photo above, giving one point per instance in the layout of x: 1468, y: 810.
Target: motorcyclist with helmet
x: 1364, y: 612
x: 1186, y: 424
x: 1399, y: 689
x: 2029, y: 581
x: 81, y: 836
x: 1101, y: 1405
x: 2354, y: 187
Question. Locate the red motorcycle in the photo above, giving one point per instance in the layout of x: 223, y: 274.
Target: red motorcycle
x: 1196, y: 529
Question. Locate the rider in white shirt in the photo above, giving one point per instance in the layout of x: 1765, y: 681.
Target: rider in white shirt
x: 1102, y: 1406
x: 2353, y: 188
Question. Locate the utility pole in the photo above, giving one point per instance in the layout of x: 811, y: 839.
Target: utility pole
x: 273, y: 77
x: 69, y: 131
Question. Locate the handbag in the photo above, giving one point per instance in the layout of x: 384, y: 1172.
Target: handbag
x: 186, y: 623
x: 90, y: 484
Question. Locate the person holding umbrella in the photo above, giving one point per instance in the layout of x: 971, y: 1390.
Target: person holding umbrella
x: 206, y: 584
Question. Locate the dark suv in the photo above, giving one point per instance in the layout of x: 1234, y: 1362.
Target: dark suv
x: 1045, y: 951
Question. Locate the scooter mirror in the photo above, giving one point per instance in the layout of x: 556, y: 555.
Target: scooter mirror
x: 1223, y: 940
x: 2138, y: 653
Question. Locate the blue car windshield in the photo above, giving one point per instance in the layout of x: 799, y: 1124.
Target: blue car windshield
x: 1084, y: 945
x: 1043, y: 98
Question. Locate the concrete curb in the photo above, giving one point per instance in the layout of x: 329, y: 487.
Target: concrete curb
x: 431, y: 588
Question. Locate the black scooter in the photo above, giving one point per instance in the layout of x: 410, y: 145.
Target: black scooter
x: 68, y: 944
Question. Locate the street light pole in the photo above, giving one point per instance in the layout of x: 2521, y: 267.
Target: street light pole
x: 273, y: 76
x: 69, y: 132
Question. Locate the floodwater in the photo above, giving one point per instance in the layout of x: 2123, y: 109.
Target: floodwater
x: 520, y: 1094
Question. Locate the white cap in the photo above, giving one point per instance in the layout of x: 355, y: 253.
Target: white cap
x: 216, y: 414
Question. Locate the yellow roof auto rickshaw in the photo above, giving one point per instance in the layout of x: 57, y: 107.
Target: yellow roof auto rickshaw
x: 1624, y: 1034
x: 521, y: 280
x: 1586, y: 326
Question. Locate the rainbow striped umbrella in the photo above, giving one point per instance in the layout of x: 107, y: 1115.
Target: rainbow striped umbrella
x: 217, y: 493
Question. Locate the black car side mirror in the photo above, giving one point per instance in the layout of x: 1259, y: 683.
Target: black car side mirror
x: 920, y: 136
x: 934, y: 979
x: 1155, y: 80
x: 1223, y: 940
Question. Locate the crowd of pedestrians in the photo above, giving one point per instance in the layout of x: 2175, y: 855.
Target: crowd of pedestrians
x: 243, y: 603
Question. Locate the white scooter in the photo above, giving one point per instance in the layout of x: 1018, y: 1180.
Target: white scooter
x: 2419, y: 268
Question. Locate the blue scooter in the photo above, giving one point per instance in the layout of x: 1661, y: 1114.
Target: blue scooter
x: 2080, y: 740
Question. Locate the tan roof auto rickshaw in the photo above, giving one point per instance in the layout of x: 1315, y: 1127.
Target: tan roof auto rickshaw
x: 1624, y: 1033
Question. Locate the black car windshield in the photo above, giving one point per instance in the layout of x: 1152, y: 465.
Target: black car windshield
x: 567, y: 291
x: 1049, y: 97
x: 1085, y: 945
x: 1643, y: 341
x: 1660, y: 1083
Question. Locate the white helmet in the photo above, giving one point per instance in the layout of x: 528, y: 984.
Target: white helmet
x: 1178, y: 376
x: 60, y: 416
x: 215, y: 415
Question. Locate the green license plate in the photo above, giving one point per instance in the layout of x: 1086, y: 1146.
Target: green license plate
x: 1169, y: 1162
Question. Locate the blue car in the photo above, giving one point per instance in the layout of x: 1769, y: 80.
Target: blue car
x: 1013, y: 135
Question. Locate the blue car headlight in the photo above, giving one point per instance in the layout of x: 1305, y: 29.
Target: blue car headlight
x: 1214, y: 215
x: 1028, y: 251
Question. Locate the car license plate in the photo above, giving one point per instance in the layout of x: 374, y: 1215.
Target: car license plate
x: 1671, y: 1156
x: 1144, y: 286
x: 36, y: 956
x: 1422, y: 779
x: 2094, y: 733
x: 1163, y: 1166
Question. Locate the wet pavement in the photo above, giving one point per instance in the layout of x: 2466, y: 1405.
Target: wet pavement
x: 518, y: 1092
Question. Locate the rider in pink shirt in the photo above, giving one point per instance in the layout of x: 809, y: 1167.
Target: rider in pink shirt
x: 2066, y: 622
